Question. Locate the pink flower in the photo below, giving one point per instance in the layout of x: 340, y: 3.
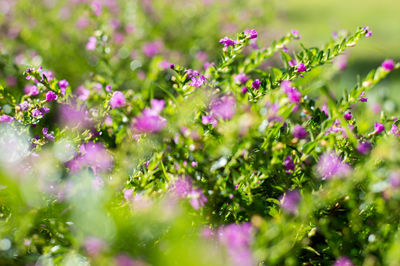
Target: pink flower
x: 51, y: 96
x: 256, y: 84
x: 299, y: 132
x: 362, y: 99
x: 209, y: 119
x: 97, y: 8
x: 93, y: 246
x: 241, y: 78
x: 197, y: 81
x: 343, y: 261
x: 301, y: 68
x: 223, y: 108
x: 149, y: 121
x: 117, y: 100
x: 388, y: 65
x: 348, y: 116
x: 251, y: 33
x: 6, y: 119
x: 290, y: 200
x: 63, y: 84
x: 379, y: 128
x: 31, y: 90
x: 150, y: 49
x: 91, y: 44
x: 197, y: 198
x: 330, y: 165
x: 82, y: 93
x: 227, y: 42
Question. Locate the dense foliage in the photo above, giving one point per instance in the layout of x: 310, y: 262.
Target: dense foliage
x: 221, y: 152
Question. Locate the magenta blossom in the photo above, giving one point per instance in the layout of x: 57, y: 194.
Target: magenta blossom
x: 288, y: 163
x: 299, y: 132
x: 362, y: 98
x: 223, y: 108
x: 379, y: 128
x: 94, y: 246
x: 256, y: 84
x: 63, y: 84
x: 197, y: 81
x: 31, y: 90
x: 91, y: 44
x: 301, y: 68
x: 197, y: 198
x: 117, y: 100
x: 290, y: 200
x: 227, y: 42
x: 150, y: 49
x: 330, y: 165
x: 251, y: 33
x: 150, y: 120
x: 388, y: 65
x: 209, y: 119
x: 51, y: 96
x: 343, y: 261
x: 82, y: 93
x: 241, y: 78
x: 348, y: 116
x: 364, y: 147
x: 368, y: 33
x: 6, y: 119
x: 237, y: 239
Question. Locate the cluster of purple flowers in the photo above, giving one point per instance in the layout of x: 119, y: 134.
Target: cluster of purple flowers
x: 183, y: 188
x: 293, y: 94
x: 150, y: 121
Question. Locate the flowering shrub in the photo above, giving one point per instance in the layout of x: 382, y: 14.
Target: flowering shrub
x: 232, y: 163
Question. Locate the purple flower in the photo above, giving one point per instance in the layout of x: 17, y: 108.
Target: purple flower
x: 379, y: 128
x: 394, y: 179
x: 256, y: 84
x: 157, y: 105
x: 182, y: 187
x: 251, y: 33
x: 36, y: 113
x: 299, y: 132
x: 51, y: 96
x: 362, y: 99
x: 63, y: 84
x: 191, y: 73
x: 197, y: 198
x: 343, y: 261
x: 286, y: 86
x: 6, y: 119
x: 209, y: 119
x: 47, y: 135
x: 83, y: 94
x: 364, y: 147
x: 237, y: 239
x: 301, y: 68
x: 330, y: 165
x: 24, y: 105
x: 149, y: 121
x: 93, y: 246
x: 368, y: 33
x: 394, y: 130
x: 295, y: 33
x: 91, y: 44
x: 93, y: 155
x: 97, y: 8
x: 31, y: 90
x: 241, y: 78
x: 294, y: 95
x: 290, y: 200
x: 197, y: 82
x: 117, y: 100
x: 227, y: 42
x: 388, y: 65
x: 292, y: 63
x: 223, y: 108
x: 288, y: 162
x: 324, y: 109
x: 348, y: 116
x: 150, y: 49
x: 128, y: 194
